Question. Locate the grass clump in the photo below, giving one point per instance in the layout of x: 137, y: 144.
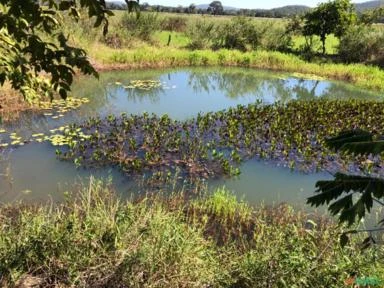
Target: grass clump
x: 362, y: 44
x: 96, y: 240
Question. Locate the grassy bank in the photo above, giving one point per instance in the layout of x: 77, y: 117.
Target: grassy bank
x: 197, y: 41
x: 97, y: 240
x: 106, y: 58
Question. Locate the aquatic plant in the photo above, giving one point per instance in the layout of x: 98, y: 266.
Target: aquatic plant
x: 55, y: 110
x: 144, y: 84
x: 214, y: 144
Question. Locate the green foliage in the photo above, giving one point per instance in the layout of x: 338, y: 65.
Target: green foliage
x: 275, y: 37
x: 362, y: 43
x: 225, y: 205
x: 26, y: 53
x: 201, y: 34
x: 333, y: 17
x: 342, y: 190
x: 346, y: 137
x: 216, y: 8
x: 363, y: 76
x: 372, y: 16
x: 143, y: 27
x: 96, y: 240
x: 240, y: 33
x: 200, y: 147
x: 174, y: 23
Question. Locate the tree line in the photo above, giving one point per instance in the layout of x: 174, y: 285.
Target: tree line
x: 216, y: 8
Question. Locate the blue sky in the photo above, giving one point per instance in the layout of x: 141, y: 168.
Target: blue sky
x: 266, y: 4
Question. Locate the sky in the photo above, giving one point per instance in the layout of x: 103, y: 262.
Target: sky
x: 264, y: 4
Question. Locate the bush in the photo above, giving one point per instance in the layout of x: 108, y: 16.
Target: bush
x: 308, y: 48
x: 143, y: 27
x: 240, y: 33
x: 275, y: 37
x: 174, y: 23
x: 200, y: 34
x: 362, y: 44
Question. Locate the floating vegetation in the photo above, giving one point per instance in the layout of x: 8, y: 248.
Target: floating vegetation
x: 214, y: 144
x: 37, y: 135
x: 54, y: 110
x: 60, y: 136
x: 11, y: 139
x: 145, y: 85
x: 57, y: 108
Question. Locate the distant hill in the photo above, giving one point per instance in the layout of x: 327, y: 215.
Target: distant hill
x: 291, y: 10
x: 361, y: 7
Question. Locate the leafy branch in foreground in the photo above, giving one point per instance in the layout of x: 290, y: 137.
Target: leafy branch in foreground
x: 352, y: 196
x: 31, y: 43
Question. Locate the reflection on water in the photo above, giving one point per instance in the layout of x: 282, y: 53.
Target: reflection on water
x: 184, y: 93
x: 271, y: 87
x: 33, y: 172
x: 36, y: 173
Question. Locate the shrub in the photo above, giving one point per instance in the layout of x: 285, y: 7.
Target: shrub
x: 308, y: 48
x: 240, y: 33
x: 174, y: 23
x: 200, y: 34
x: 275, y: 37
x: 142, y: 27
x: 362, y: 44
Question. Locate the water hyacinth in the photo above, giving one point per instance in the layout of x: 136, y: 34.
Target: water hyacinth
x: 214, y: 144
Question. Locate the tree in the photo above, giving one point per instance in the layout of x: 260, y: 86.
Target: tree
x: 332, y: 17
x: 372, y: 16
x: 31, y: 44
x: 215, y: 8
x: 192, y: 9
x: 352, y: 196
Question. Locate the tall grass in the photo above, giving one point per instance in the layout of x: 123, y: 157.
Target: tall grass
x: 96, y: 240
x: 369, y: 77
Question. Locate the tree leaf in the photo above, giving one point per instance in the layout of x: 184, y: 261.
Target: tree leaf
x: 344, y: 239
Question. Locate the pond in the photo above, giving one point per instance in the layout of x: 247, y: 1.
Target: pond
x: 33, y: 173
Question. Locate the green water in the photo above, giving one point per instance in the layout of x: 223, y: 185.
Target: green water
x: 33, y: 173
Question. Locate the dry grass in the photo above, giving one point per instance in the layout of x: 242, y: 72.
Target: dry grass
x: 12, y: 104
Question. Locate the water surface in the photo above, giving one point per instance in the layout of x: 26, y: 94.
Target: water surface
x: 32, y: 172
